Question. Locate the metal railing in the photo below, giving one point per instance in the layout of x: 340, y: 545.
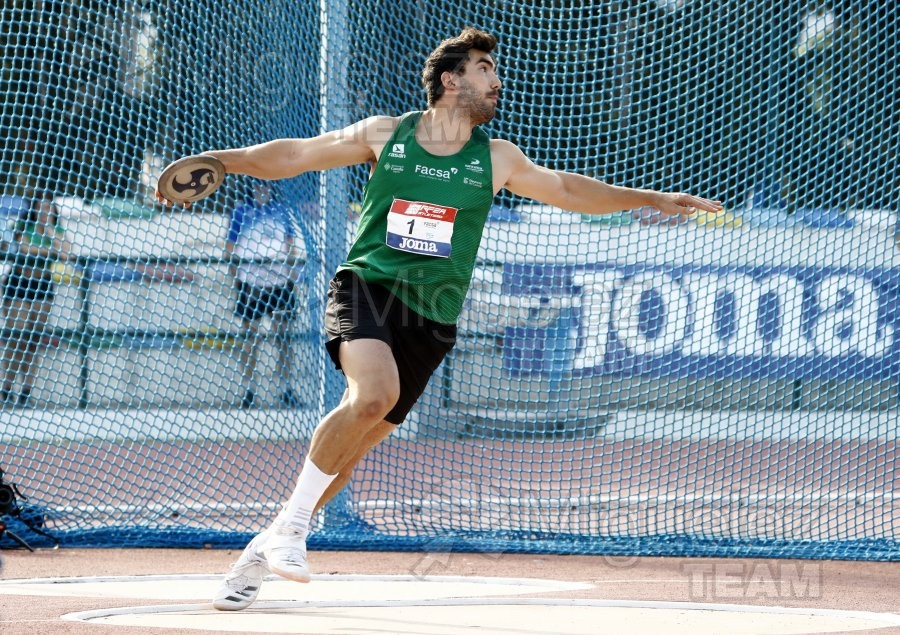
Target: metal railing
x: 86, y: 336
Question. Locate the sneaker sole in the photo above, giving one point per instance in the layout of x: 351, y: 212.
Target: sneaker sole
x: 231, y: 606
x: 295, y: 577
x: 234, y: 601
x: 239, y: 601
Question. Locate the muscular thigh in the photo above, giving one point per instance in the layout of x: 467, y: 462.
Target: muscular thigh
x: 369, y: 366
x: 400, y: 350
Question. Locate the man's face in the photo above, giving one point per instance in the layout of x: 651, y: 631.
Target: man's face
x: 479, y: 87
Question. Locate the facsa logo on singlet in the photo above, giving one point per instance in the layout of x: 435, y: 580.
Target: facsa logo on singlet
x: 398, y: 151
x: 434, y: 173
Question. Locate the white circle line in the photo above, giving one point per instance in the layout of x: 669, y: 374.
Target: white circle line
x: 337, y: 577
x: 888, y: 619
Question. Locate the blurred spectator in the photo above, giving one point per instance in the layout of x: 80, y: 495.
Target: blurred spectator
x: 28, y: 293
x: 260, y: 243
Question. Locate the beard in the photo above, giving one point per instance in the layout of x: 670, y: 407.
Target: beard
x: 481, y: 108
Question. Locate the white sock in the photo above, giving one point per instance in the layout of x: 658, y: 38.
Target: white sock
x: 311, y: 484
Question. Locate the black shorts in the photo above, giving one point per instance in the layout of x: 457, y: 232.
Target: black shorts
x: 33, y: 289
x: 357, y: 310
x: 255, y: 302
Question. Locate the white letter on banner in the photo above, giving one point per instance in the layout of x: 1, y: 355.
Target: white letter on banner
x: 596, y: 298
x: 704, y: 339
x: 626, y: 314
x: 747, y: 295
x: 484, y: 310
x: 790, y: 341
x: 858, y: 315
x: 865, y: 336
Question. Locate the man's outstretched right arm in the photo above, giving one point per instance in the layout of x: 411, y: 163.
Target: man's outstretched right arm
x: 284, y: 158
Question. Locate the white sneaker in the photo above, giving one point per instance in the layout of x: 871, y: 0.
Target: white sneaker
x: 285, y: 553
x: 241, y: 584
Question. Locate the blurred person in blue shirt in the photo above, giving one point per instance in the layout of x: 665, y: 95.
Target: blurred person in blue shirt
x: 260, y: 246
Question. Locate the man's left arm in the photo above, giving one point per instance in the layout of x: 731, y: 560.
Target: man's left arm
x: 578, y: 193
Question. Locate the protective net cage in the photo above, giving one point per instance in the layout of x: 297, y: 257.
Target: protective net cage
x: 623, y: 384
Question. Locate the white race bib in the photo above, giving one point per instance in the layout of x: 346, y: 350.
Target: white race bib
x: 420, y: 228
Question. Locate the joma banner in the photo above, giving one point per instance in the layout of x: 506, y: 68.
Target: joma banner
x: 703, y: 321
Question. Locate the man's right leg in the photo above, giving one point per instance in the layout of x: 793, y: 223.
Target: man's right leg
x: 373, y: 387
x: 340, y: 440
x: 241, y: 587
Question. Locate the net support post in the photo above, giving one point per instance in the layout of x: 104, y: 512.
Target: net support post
x: 334, y: 197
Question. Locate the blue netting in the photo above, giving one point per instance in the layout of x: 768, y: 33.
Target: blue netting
x: 623, y: 384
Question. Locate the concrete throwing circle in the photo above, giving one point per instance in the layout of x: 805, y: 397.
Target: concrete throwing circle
x: 429, y: 605
x: 325, y: 588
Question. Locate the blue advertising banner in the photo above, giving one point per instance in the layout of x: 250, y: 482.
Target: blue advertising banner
x: 693, y: 321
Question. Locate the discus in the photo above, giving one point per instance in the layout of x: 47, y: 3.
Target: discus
x: 190, y: 179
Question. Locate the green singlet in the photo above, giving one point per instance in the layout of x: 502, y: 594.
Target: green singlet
x: 421, y: 221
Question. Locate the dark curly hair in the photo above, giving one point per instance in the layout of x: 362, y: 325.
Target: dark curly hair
x: 451, y: 55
